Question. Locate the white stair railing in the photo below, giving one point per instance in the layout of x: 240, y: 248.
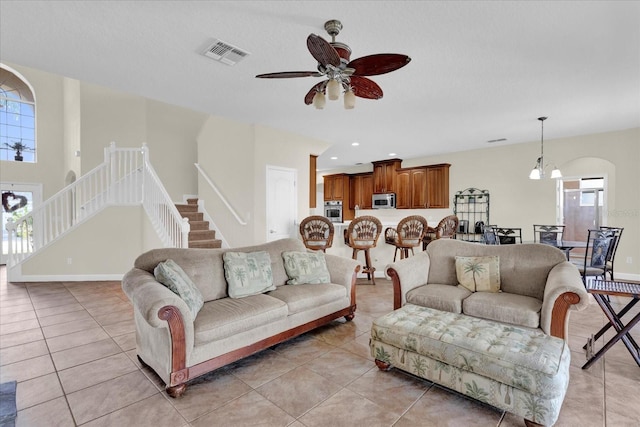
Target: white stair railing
x: 125, y: 178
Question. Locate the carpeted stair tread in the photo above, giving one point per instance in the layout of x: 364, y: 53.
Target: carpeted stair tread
x: 187, y: 208
x: 193, y: 216
x: 202, y: 235
x: 213, y: 243
x: 199, y: 225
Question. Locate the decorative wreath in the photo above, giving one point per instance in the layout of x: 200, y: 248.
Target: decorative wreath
x: 22, y: 202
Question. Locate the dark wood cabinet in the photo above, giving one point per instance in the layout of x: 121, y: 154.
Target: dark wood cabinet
x: 437, y: 186
x: 361, y: 187
x: 411, y: 188
x: 384, y: 175
x: 336, y: 187
x: 313, y: 160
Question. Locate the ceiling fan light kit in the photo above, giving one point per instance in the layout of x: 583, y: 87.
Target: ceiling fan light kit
x: 342, y: 74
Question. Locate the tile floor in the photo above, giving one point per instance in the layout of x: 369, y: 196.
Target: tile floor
x: 71, y: 347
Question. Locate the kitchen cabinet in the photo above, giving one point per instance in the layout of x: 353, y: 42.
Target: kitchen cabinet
x: 336, y: 187
x: 411, y: 188
x: 313, y: 161
x: 361, y: 188
x: 437, y: 186
x: 384, y: 175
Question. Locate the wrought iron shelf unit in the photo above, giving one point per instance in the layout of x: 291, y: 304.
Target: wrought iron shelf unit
x: 471, y: 206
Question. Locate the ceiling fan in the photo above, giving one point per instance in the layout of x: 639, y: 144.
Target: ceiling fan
x: 334, y: 62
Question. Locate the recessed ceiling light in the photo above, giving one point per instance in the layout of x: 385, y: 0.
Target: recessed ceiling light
x: 334, y: 158
x: 355, y: 144
x: 392, y: 154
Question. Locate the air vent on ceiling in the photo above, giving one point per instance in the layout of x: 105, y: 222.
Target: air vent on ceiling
x: 491, y: 141
x: 225, y: 53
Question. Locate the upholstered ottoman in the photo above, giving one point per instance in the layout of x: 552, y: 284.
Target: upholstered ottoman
x: 516, y: 369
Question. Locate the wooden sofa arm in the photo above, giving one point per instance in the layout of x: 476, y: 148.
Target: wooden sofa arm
x: 179, y: 371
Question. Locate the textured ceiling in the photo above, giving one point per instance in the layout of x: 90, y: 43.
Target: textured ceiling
x: 479, y: 71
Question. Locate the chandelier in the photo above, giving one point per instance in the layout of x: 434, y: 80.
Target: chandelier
x: 538, y: 170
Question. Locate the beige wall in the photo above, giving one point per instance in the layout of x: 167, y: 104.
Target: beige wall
x: 517, y: 201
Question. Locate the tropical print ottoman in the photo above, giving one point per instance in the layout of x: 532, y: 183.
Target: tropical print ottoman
x: 517, y: 369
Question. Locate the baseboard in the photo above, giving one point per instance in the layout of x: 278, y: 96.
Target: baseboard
x: 67, y: 278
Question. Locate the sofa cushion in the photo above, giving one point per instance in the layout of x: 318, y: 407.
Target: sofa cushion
x: 305, y: 267
x: 504, y: 307
x: 440, y: 297
x: 247, y: 273
x: 479, y: 274
x: 173, y: 277
x: 300, y: 297
x: 227, y: 316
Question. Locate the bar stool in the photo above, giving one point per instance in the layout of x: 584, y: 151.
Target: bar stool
x: 317, y: 232
x: 408, y: 235
x: 362, y: 235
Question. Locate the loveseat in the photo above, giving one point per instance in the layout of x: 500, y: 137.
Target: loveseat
x: 502, y: 342
x: 246, y: 300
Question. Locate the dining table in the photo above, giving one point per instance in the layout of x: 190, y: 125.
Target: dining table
x: 565, y: 245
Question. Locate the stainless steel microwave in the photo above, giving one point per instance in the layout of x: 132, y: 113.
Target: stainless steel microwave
x: 384, y: 201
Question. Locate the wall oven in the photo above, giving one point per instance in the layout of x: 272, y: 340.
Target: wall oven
x: 333, y: 210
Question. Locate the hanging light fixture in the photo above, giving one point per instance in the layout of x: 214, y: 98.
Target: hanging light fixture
x: 538, y: 170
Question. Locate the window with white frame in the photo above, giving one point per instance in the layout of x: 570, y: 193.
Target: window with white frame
x: 17, y: 118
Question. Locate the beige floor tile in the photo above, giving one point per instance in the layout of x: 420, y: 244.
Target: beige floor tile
x: 336, y: 333
x: 91, y: 373
x: 126, y: 342
x: 359, y: 346
x: 298, y: 390
x: 101, y: 399
x: 56, y: 301
x: 393, y: 390
x: 85, y: 353
x: 6, y: 319
x: 52, y: 311
x: 340, y: 366
x: 69, y: 327
x: 72, y: 316
x: 347, y: 408
x: 118, y: 316
x: 248, y: 410
x: 120, y: 328
x: 27, y: 369
x: 38, y: 390
x: 23, y: 352
x: 99, y: 309
x: 303, y: 349
x: 440, y: 408
x: 154, y: 411
x: 108, y: 300
x: 17, y: 300
x: 52, y: 413
x: 209, y: 392
x: 18, y: 338
x: 627, y: 419
x: 17, y: 309
x: 261, y: 368
x: 12, y: 328
x: 76, y: 339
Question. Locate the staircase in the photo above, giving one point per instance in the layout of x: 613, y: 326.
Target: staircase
x: 200, y: 235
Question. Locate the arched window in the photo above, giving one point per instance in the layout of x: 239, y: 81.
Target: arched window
x: 17, y: 118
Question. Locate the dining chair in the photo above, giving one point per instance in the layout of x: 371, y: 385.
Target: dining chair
x: 595, y: 256
x: 615, y: 233
x: 490, y: 236
x: 509, y: 235
x: 317, y: 232
x: 548, y: 234
x: 362, y: 235
x: 446, y: 229
x: 407, y: 235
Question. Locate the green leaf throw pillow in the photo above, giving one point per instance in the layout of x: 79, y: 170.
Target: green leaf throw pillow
x: 306, y: 268
x: 247, y: 273
x: 479, y: 274
x: 173, y: 277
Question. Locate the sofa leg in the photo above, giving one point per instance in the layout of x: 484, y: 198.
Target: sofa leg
x: 349, y: 317
x: 383, y: 366
x: 529, y: 423
x: 176, y: 390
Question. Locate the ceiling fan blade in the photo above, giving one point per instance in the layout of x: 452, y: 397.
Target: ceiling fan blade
x: 365, y: 88
x: 319, y: 87
x: 322, y: 51
x: 289, y: 74
x: 381, y: 63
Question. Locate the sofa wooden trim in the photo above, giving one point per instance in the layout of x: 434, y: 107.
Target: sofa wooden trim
x: 181, y: 374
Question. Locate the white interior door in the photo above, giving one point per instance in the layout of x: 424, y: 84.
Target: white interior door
x: 282, y: 203
x: 17, y: 200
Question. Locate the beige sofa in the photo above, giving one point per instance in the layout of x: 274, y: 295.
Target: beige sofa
x: 179, y: 347
x: 506, y: 348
